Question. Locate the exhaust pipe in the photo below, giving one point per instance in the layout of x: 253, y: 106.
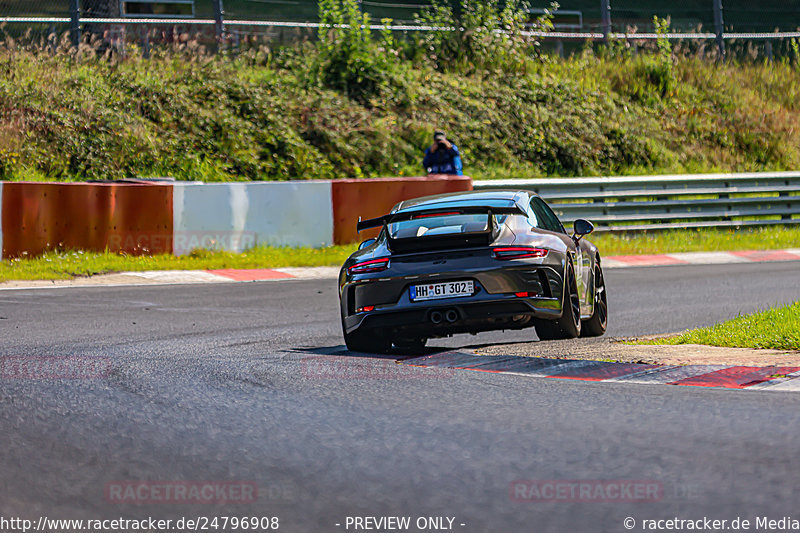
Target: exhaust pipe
x: 436, y: 317
x: 451, y: 315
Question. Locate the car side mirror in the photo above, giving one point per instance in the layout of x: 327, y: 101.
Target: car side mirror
x: 368, y: 242
x: 582, y: 227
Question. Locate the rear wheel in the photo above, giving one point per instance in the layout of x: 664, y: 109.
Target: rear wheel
x: 367, y: 341
x: 596, y: 325
x: 569, y: 325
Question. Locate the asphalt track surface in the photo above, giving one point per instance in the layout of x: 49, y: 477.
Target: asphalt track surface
x: 251, y: 382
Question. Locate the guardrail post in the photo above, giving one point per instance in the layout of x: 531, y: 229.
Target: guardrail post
x: 145, y: 42
x: 719, y: 28
x: 605, y: 16
x: 75, y: 22
x: 219, y: 18
x: 783, y: 194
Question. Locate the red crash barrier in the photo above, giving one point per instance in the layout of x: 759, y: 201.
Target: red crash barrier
x: 120, y: 217
x: 369, y: 198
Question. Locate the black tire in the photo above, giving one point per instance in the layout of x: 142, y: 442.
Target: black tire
x: 569, y: 325
x: 410, y: 345
x: 596, y: 325
x: 367, y: 342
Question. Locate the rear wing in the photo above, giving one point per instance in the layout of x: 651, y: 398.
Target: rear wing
x: 442, y: 211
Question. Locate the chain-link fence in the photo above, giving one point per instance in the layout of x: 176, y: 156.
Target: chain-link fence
x: 34, y: 8
x: 575, y: 19
x: 741, y: 16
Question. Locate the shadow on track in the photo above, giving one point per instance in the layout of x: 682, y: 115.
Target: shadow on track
x: 342, y: 351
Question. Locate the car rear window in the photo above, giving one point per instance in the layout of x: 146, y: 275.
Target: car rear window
x: 432, y: 225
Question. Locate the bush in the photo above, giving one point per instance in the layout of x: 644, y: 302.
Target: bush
x: 359, y: 105
x: 653, y: 76
x: 483, y: 36
x: 349, y: 60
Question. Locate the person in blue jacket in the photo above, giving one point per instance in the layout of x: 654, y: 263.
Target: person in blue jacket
x: 442, y: 157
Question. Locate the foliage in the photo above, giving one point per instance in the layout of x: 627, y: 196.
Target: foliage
x: 795, y: 46
x: 482, y: 35
x: 349, y: 60
x: 662, y: 41
x: 653, y: 74
x: 660, y: 72
x: 302, y: 112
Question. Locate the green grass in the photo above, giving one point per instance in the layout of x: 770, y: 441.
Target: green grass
x: 698, y: 240
x: 775, y: 328
x: 64, y: 265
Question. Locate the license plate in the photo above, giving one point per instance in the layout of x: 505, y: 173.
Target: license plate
x: 434, y: 291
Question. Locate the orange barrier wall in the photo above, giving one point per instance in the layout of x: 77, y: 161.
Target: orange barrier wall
x: 371, y: 198
x: 127, y: 217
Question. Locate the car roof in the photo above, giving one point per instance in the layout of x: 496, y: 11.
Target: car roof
x: 492, y: 198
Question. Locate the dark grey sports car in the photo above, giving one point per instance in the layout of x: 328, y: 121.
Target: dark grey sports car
x: 470, y: 262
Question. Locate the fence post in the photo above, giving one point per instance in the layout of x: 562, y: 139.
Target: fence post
x: 145, y: 41
x: 719, y: 27
x: 75, y: 23
x: 605, y: 17
x: 219, y: 18
x: 52, y: 39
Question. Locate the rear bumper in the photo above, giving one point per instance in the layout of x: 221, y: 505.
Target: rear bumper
x: 473, y: 316
x: 494, y: 305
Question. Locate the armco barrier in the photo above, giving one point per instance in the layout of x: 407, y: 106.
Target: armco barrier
x: 177, y: 217
x: 637, y: 203
x: 124, y: 217
x: 237, y: 216
x: 369, y: 198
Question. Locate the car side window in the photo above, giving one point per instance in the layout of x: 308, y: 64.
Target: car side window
x: 545, y: 218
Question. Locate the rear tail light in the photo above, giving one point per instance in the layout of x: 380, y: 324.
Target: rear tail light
x: 527, y: 294
x: 365, y: 309
x: 517, y: 252
x: 373, y: 265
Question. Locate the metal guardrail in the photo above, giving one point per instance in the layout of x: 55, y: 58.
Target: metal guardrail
x: 225, y: 28
x: 636, y: 203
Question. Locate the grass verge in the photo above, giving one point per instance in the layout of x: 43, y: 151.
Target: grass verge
x: 698, y: 240
x: 775, y: 328
x: 65, y: 265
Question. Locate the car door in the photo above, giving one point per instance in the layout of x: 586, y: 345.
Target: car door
x: 581, y: 259
x: 587, y: 267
